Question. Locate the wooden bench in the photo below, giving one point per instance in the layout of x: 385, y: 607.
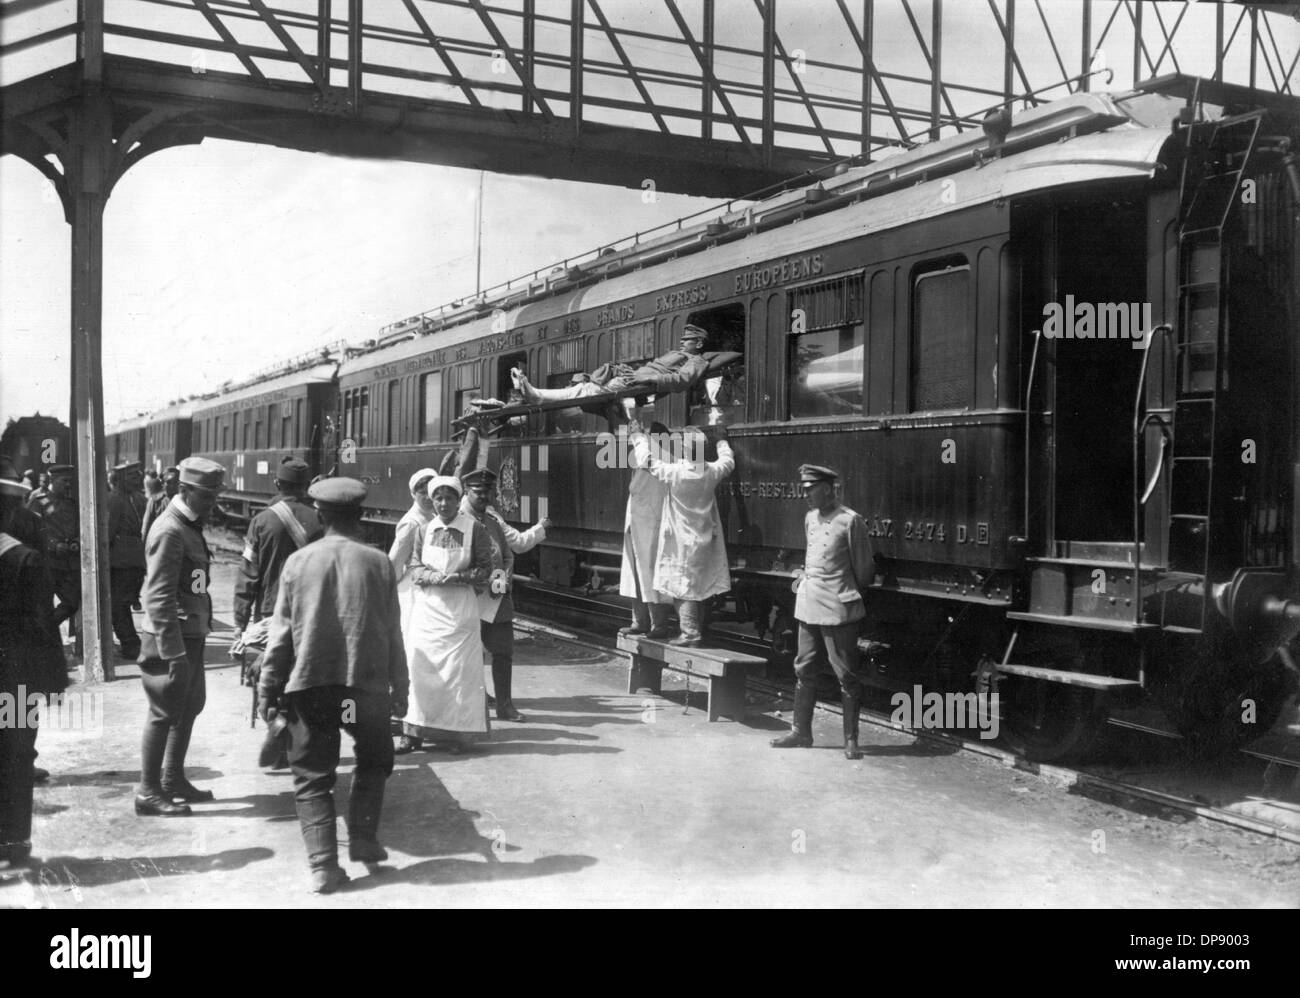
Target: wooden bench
x: 724, y: 669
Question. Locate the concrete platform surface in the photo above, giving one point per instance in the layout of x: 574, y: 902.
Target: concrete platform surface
x: 607, y: 799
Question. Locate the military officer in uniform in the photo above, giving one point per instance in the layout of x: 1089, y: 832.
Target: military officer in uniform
x: 495, y: 604
x: 126, y: 562
x: 62, y: 528
x: 838, y: 565
x: 335, y: 659
x: 177, y: 618
x: 288, y: 524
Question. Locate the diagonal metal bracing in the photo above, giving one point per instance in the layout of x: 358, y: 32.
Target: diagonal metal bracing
x: 436, y: 44
x: 929, y: 61
x: 794, y: 78
x: 286, y: 39
x: 633, y: 75
x: 1169, y: 39
x: 508, y: 52
x: 708, y: 73
x: 230, y: 42
x: 870, y: 62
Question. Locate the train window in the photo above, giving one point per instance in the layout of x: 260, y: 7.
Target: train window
x: 286, y: 426
x: 246, y: 425
x: 943, y: 339
x: 300, y: 432
x: 431, y: 407
x: 826, y: 348
x: 259, y: 441
x: 566, y: 361
x: 726, y: 390
x: 465, y: 381
x: 634, y: 343
x: 363, y: 418
x: 394, y: 412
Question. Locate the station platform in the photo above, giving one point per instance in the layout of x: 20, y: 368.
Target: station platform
x: 605, y: 798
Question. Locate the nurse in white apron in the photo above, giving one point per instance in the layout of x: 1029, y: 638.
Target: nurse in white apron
x: 448, y: 702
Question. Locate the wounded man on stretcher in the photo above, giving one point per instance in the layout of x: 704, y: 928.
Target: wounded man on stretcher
x: 675, y: 371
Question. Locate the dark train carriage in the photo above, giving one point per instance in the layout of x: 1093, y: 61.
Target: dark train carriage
x: 251, y: 428
x: 1016, y: 348
x: 36, y: 441
x: 167, y: 437
x: 125, y: 441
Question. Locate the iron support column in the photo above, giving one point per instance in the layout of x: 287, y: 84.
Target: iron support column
x: 323, y: 39
x: 1085, y: 52
x: 355, y: 23
x: 706, y: 92
x: 868, y: 30
x: 530, y: 43
x: 1008, y: 51
x: 87, y: 171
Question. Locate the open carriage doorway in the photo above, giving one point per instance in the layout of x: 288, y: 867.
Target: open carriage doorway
x: 1100, y: 249
x: 725, y: 391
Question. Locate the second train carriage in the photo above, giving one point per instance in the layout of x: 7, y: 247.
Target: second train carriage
x: 167, y: 437
x: 250, y: 429
x: 125, y: 441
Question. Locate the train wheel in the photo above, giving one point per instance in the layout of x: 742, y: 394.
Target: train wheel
x: 1050, y: 722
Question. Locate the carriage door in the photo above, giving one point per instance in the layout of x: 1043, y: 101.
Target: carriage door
x: 1099, y: 292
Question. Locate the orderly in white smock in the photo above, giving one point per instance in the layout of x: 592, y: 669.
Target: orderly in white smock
x: 645, y: 507
x: 448, y: 702
x: 692, y: 562
x: 408, y: 546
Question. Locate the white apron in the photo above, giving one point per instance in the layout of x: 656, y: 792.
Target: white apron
x: 444, y: 649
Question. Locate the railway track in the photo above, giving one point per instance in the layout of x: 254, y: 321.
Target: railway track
x: 591, y: 623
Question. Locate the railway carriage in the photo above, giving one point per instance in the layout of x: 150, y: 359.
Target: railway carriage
x: 125, y: 441
x: 167, y: 437
x: 1055, y: 362
x: 249, y: 428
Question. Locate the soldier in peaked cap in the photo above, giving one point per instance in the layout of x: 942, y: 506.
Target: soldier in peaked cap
x: 838, y: 565
x: 495, y: 605
x: 335, y: 659
x: 126, y: 560
x: 178, y: 616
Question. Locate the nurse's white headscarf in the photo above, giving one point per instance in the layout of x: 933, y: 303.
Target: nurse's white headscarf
x: 420, y: 476
x: 445, y: 482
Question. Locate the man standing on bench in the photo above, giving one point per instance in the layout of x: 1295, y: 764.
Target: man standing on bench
x: 828, y: 605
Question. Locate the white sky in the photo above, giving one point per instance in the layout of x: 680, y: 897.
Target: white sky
x: 222, y: 258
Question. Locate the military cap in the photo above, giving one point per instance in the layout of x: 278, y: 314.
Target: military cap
x: 694, y: 332
x: 293, y: 470
x: 172, y: 472
x: 338, y: 493
x: 817, y: 473
x: 57, y: 470
x: 127, y: 466
x: 202, y: 473
x: 479, y: 476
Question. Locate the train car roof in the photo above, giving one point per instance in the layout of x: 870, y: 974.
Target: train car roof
x: 181, y: 410
x: 315, y: 374
x: 122, y: 425
x: 1116, y: 148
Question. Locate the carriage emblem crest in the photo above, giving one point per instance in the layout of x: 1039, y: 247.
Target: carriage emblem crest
x: 508, y: 486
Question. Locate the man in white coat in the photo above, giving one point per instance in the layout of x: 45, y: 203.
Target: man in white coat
x: 645, y: 507
x: 692, y: 562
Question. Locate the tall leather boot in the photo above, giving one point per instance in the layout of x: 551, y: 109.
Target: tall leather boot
x: 316, y: 819
x: 364, y: 808
x: 850, y: 704
x: 688, y: 613
x: 149, y: 798
x: 174, y: 784
x: 805, y: 700
x: 640, y: 620
x: 659, y: 626
x: 503, y: 681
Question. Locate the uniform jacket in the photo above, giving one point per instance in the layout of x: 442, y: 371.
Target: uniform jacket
x: 645, y: 506
x: 31, y: 651
x: 838, y: 565
x: 337, y: 621
x: 62, y: 529
x: 692, y: 561
x: 175, y: 595
x: 266, y: 548
x: 125, y: 518
x: 153, y: 505
x: 506, y: 542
